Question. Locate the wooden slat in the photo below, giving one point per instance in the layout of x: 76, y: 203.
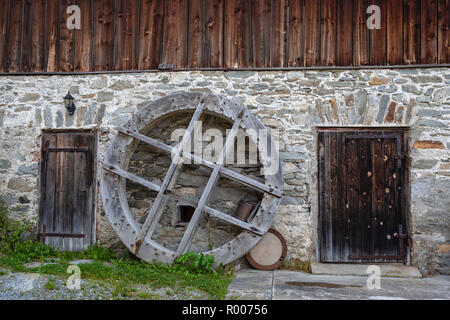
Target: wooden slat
x: 295, y: 33
x: 322, y: 208
x: 353, y: 198
x: 344, y: 43
x: 443, y: 31
x: 126, y: 34
x: 151, y: 24
x: 91, y: 190
x: 237, y: 42
x: 52, y: 36
x: 38, y: 35
x: 3, y: 34
x: 392, y: 211
x: 311, y: 33
x: 79, y: 193
x: 394, y: 32
x: 261, y: 32
x: 195, y: 50
x: 360, y: 33
x: 378, y: 204
x: 328, y: 20
x: 175, y: 35
x: 66, y: 43
x: 411, y: 31
x: 27, y: 36
x: 68, y: 197
x: 335, y: 213
x: 279, y: 31
x: 47, y: 207
x: 104, y: 17
x: 15, y: 36
x: 377, y: 37
x: 214, y: 24
x: 428, y: 31
x: 83, y: 38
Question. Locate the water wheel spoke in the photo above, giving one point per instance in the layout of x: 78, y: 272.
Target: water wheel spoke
x: 196, y: 217
x: 156, y: 210
x: 230, y: 174
x: 154, y: 187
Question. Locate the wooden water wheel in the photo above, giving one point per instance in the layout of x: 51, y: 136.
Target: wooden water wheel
x: 113, y: 188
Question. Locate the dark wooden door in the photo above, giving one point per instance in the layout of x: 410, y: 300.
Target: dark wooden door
x: 68, y: 180
x: 362, y: 195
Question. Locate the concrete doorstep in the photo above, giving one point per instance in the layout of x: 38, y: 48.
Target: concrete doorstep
x: 387, y: 270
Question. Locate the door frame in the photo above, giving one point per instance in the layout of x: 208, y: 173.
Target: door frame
x: 406, y: 190
x: 94, y: 131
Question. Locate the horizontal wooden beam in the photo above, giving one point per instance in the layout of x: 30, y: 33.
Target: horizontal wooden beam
x: 230, y: 174
x: 208, y: 210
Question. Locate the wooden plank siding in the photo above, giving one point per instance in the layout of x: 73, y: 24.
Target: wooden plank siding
x: 120, y: 35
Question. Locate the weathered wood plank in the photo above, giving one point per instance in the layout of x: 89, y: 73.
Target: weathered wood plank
x: 344, y: 43
x: 360, y: 33
x: 443, y: 31
x: 38, y: 35
x: 279, y: 31
x: 196, y: 22
x: 311, y: 33
x: 66, y: 38
x: 151, y: 26
x: 4, y: 14
x: 237, y: 34
x: 377, y: 37
x: 214, y: 24
x: 52, y: 36
x: 15, y: 36
x: 27, y: 36
x: 394, y: 32
x: 68, y: 196
x: 261, y: 32
x: 48, y: 166
x: 104, y: 19
x: 295, y: 34
x: 428, y: 53
x: 127, y: 34
x: 328, y: 27
x: 83, y: 56
x: 175, y: 35
x: 411, y: 31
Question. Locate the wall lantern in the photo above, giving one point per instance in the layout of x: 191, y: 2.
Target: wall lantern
x: 68, y: 102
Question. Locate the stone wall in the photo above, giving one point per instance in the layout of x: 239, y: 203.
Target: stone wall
x: 293, y: 103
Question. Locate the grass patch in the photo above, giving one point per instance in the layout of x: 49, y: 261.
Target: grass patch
x: 51, y: 284
x: 190, y: 270
x: 297, y: 265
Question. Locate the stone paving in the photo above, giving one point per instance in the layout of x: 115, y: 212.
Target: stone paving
x: 292, y: 285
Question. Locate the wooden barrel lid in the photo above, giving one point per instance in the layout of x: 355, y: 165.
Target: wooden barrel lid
x: 269, y: 253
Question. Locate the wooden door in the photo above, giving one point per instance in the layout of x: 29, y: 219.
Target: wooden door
x: 362, y: 195
x: 68, y: 192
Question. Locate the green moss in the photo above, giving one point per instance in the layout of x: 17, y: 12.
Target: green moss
x: 297, y: 265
